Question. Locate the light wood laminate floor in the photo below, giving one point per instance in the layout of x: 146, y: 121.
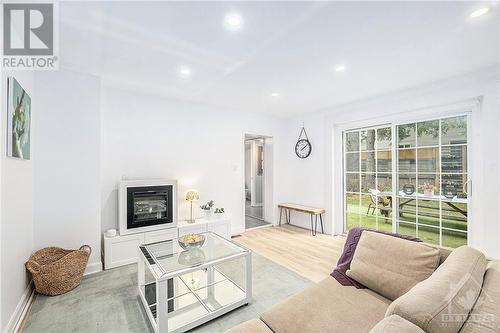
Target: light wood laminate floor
x: 296, y: 249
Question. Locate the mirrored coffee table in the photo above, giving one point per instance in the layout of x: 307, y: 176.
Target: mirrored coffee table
x: 181, y: 289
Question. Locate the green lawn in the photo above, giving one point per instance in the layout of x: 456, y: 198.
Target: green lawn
x: 357, y: 215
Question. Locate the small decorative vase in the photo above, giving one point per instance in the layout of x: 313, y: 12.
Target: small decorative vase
x: 429, y: 193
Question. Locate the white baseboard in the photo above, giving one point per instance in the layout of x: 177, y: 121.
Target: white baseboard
x: 92, y: 268
x: 21, y: 308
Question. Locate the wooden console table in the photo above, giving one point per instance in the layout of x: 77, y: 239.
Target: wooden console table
x: 312, y: 211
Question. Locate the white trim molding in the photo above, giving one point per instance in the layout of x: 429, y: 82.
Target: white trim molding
x: 21, y: 309
x: 93, y: 268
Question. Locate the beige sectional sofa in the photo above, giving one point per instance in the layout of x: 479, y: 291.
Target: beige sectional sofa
x: 460, y: 294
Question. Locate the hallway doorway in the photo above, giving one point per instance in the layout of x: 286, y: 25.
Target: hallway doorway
x: 255, y: 181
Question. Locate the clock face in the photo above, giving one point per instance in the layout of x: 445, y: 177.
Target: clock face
x: 303, y: 148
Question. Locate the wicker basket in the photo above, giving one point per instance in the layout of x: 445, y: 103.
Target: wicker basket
x: 56, y: 271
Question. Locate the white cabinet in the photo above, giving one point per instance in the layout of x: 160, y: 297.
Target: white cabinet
x: 221, y: 227
x: 123, y: 250
x: 160, y: 235
x: 192, y: 229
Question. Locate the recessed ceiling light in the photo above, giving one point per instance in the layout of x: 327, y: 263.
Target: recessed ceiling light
x: 479, y: 12
x: 340, y: 68
x: 233, y: 21
x: 184, y: 71
x: 274, y: 94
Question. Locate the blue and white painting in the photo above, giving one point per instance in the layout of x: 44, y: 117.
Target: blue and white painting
x: 19, y: 121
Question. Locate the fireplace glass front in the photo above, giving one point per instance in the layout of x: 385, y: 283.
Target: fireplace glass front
x: 147, y: 206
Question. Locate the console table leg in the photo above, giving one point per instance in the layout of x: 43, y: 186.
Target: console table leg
x: 315, y: 224
x: 321, y: 221
x: 312, y: 226
x: 281, y: 212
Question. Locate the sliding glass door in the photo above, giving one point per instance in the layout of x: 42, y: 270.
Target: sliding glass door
x: 368, y: 175
x: 409, y: 178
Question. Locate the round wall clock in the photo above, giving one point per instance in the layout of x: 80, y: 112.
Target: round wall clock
x: 303, y: 146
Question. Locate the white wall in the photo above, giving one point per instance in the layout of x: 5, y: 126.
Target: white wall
x: 67, y: 173
x: 16, y: 210
x: 270, y: 202
x: 147, y: 136
x: 314, y: 180
x: 303, y: 181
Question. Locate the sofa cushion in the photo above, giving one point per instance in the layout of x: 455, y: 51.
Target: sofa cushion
x: 250, y: 326
x: 437, y: 305
x: 485, y: 316
x: 391, y: 266
x: 396, y: 324
x: 327, y: 307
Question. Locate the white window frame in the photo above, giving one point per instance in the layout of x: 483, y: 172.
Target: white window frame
x: 467, y: 107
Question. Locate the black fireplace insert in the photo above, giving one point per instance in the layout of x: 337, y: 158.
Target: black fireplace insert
x: 149, y: 205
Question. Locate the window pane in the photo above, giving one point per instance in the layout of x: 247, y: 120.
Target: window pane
x: 454, y: 159
x: 368, y: 161
x: 384, y: 208
x: 352, y: 203
x: 352, y: 141
x: 428, y: 212
x: 368, y: 221
x: 438, y: 214
x: 406, y: 160
x: 368, y: 139
x: 406, y: 136
x: 384, y: 138
x: 454, y: 130
x: 352, y: 162
x: 384, y: 182
x: 407, y: 210
x: 407, y: 184
x: 454, y: 239
x: 352, y: 220
x: 384, y: 224
x: 429, y: 234
x: 368, y: 205
x: 352, y: 182
x: 454, y: 185
x: 428, y: 185
x: 406, y: 228
x: 384, y: 161
x: 367, y: 182
x: 428, y: 160
x: 428, y: 133
x: 454, y: 215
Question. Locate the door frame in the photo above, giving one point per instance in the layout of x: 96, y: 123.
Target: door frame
x: 268, y: 209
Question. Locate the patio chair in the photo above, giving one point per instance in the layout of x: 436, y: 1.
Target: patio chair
x: 376, y: 199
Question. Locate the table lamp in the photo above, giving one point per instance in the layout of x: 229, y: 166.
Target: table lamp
x: 192, y: 195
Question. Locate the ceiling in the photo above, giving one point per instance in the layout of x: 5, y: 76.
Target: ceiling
x: 287, y: 48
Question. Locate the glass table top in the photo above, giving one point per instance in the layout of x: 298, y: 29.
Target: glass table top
x: 169, y: 257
